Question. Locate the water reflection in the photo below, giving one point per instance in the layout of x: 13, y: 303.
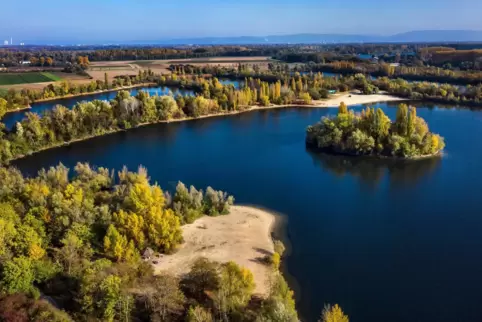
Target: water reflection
x: 372, y: 171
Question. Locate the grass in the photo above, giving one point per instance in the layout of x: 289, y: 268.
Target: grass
x: 27, y: 78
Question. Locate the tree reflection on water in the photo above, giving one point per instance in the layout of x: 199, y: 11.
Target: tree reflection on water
x: 371, y: 171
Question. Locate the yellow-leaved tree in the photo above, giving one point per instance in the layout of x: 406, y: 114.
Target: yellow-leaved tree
x: 333, y: 313
x: 160, y: 226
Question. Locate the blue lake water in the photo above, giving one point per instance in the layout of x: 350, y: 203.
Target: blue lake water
x: 235, y: 83
x: 11, y: 118
x: 388, y: 241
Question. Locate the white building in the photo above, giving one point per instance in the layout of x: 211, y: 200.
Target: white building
x: 5, y: 43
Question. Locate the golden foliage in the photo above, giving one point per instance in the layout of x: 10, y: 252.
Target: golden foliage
x: 333, y: 314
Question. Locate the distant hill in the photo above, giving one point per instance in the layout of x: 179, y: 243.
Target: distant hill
x: 438, y: 36
x: 412, y: 36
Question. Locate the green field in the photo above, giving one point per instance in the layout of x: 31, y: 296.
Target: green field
x: 26, y: 78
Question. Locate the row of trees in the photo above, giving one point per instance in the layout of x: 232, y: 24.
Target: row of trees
x: 96, y: 118
x: 76, y: 241
x: 419, y: 73
x: 372, y: 133
x: 20, y: 99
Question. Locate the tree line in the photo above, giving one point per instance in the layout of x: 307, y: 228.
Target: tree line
x: 416, y: 73
x: 372, y: 133
x: 87, y: 119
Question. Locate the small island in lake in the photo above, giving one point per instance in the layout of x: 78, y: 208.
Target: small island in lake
x: 372, y: 133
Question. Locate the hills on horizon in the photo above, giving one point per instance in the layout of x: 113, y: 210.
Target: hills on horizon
x: 436, y: 36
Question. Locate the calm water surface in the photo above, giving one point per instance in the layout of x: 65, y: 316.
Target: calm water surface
x: 388, y: 241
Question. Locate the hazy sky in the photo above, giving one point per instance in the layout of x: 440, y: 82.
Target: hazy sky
x: 97, y: 21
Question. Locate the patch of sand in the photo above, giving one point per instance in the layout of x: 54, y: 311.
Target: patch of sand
x: 355, y: 99
x: 243, y: 236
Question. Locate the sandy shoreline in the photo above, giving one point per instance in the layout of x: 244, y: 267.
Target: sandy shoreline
x: 243, y: 236
x: 352, y: 98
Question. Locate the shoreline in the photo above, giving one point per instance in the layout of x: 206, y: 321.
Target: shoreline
x: 79, y: 95
x: 372, y: 156
x: 243, y: 236
x: 328, y: 104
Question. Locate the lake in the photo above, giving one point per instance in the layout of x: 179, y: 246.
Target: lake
x: 388, y: 241
x: 13, y: 117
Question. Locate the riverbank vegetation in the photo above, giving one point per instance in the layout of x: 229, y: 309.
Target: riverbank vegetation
x: 414, y: 73
x: 372, y: 133
x: 278, y: 86
x: 87, y: 119
x: 71, y: 246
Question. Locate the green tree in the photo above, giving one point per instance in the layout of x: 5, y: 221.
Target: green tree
x: 115, y: 304
x: 18, y: 276
x: 236, y: 285
x: 199, y: 314
x: 401, y: 121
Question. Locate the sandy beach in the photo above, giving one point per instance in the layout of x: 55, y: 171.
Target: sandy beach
x: 243, y: 236
x: 354, y: 98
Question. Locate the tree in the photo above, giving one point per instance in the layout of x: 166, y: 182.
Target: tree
x: 114, y: 243
x: 199, y: 314
x: 236, y: 285
x: 276, y: 260
x: 279, y: 247
x: 19, y: 307
x: 280, y: 304
x: 202, y: 277
x: 342, y: 109
x: 115, y: 304
x: 106, y: 81
x: 411, y: 122
x: 305, y: 97
x: 333, y: 314
x: 3, y: 107
x: 164, y: 299
x: 18, y: 276
x: 401, y: 121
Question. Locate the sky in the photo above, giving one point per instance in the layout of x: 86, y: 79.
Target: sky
x: 103, y: 21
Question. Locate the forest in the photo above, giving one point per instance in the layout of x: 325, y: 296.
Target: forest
x: 372, y: 133
x: 71, y: 246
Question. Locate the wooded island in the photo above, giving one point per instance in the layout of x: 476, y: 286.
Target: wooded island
x: 372, y: 133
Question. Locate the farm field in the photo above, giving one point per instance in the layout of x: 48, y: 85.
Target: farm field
x: 27, y: 78
x: 39, y: 85
x: 117, y: 68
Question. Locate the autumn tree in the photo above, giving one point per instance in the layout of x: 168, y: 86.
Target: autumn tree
x: 106, y: 81
x: 199, y: 314
x: 333, y: 313
x: 236, y: 285
x: 342, y: 109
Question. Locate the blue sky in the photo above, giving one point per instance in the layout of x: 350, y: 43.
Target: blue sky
x: 97, y: 21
